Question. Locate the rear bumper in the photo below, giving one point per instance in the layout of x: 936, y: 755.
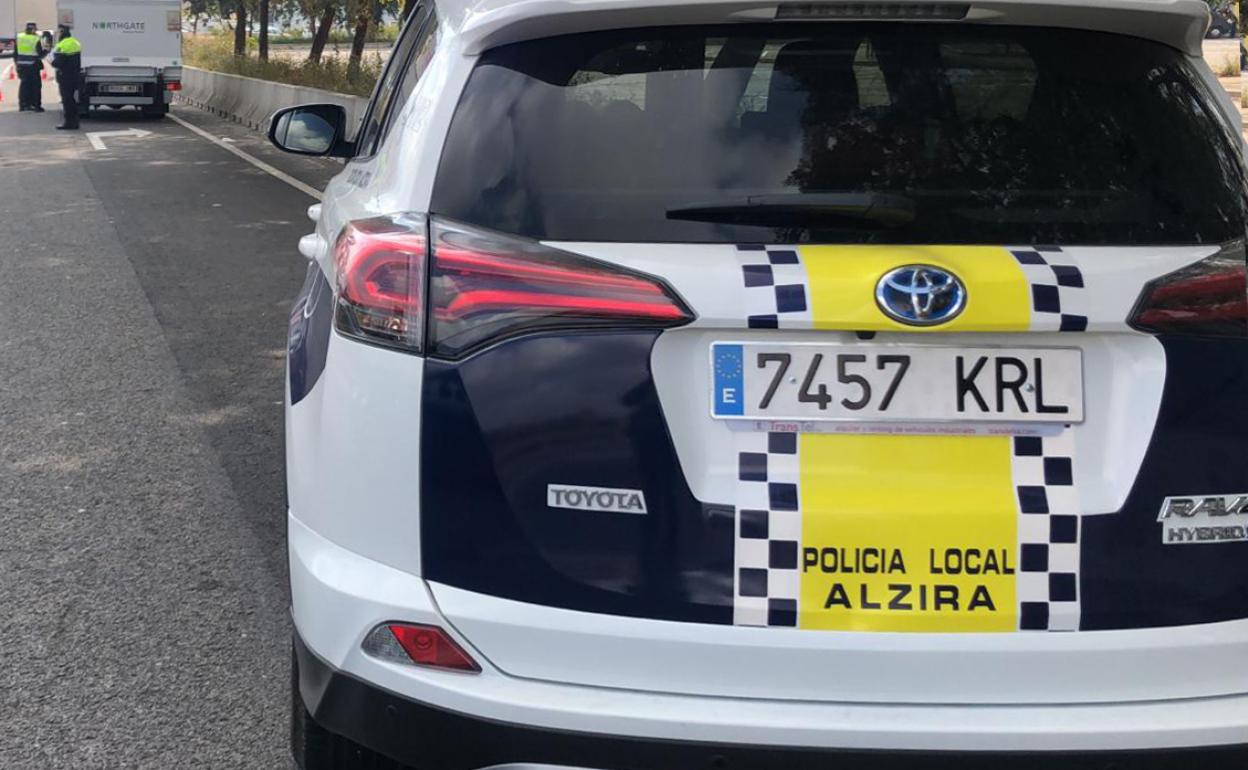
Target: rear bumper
x: 151, y: 90
x: 496, y: 718
x: 424, y: 736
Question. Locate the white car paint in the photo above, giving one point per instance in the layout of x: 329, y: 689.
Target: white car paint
x: 339, y: 596
x: 353, y: 448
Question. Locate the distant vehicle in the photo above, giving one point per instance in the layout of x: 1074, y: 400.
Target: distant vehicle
x: 131, y: 52
x: 41, y: 12
x: 1224, y: 25
x: 8, y: 29
x: 13, y: 16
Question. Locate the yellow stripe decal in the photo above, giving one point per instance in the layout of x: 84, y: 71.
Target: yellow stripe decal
x: 938, y: 534
x: 842, y: 282
x: 904, y: 533
x: 907, y: 533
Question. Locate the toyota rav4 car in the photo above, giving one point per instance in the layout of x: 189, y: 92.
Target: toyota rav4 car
x: 753, y: 385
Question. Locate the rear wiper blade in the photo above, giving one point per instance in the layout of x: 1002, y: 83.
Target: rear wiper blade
x: 801, y: 209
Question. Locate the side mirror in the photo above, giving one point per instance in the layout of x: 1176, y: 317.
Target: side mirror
x: 312, y: 129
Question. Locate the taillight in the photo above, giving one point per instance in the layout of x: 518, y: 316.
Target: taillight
x: 485, y: 286
x: 380, y: 265
x: 1209, y: 298
x: 173, y: 85
x: 420, y: 645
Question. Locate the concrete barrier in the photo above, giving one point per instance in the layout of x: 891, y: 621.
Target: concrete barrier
x: 252, y: 101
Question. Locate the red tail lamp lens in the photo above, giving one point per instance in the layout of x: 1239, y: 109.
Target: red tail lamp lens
x: 420, y: 645
x: 486, y: 286
x: 1209, y: 298
x: 173, y: 86
x: 381, y: 276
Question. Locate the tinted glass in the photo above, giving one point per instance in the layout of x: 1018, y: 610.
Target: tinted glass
x: 843, y: 133
x: 389, y: 96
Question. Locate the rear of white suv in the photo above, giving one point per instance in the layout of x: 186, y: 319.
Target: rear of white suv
x: 743, y: 385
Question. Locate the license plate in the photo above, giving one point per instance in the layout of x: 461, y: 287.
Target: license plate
x: 122, y: 89
x: 904, y: 383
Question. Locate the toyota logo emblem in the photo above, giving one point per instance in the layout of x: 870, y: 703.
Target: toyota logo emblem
x: 921, y: 295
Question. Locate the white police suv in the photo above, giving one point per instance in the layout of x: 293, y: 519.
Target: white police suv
x: 756, y: 385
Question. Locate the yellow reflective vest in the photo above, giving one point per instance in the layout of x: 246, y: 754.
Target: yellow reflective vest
x: 27, y: 48
x: 68, y: 47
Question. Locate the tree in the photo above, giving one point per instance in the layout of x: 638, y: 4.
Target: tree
x: 240, y: 28
x: 321, y: 37
x: 367, y: 16
x: 264, y: 30
x: 363, y: 19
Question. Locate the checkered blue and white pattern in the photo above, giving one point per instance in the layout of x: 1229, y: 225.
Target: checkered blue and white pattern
x: 1059, y: 299
x: 776, y: 295
x: 1048, y: 532
x: 767, y: 584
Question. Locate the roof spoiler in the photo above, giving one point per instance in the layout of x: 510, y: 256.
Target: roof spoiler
x: 1180, y: 24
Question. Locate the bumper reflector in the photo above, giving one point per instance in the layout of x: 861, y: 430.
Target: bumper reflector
x: 419, y: 645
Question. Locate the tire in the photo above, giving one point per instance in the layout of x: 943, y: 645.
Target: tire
x: 315, y: 748
x: 309, y: 742
x: 1216, y: 32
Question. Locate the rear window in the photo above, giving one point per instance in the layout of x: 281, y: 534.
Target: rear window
x: 843, y: 133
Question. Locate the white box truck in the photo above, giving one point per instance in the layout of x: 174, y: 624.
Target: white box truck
x: 8, y: 28
x: 41, y: 12
x: 131, y: 52
x: 13, y: 17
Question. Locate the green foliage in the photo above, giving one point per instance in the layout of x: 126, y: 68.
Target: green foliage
x: 386, y: 33
x: 216, y: 52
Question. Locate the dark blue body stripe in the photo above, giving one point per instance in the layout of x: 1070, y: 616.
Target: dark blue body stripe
x: 581, y: 409
x: 307, y: 345
x: 1129, y: 578
x: 577, y: 409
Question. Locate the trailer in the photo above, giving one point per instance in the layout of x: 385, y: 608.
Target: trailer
x: 41, y: 12
x: 131, y: 52
x: 8, y: 28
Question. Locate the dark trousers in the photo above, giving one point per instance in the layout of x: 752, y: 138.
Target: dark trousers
x: 30, y: 91
x: 68, y: 86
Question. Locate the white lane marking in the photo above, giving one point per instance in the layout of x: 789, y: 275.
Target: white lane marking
x: 253, y: 160
x: 96, y: 138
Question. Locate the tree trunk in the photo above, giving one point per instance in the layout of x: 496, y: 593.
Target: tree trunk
x: 362, y: 20
x: 322, y: 34
x: 240, y: 29
x: 264, y: 30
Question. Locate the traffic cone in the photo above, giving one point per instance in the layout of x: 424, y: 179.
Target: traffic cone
x: 12, y: 72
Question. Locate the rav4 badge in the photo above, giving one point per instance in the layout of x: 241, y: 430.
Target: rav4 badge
x: 1204, y: 519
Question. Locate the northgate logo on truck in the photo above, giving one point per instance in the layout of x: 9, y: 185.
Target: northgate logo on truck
x: 119, y: 26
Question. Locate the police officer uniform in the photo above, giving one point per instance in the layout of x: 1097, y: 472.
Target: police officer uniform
x: 67, y: 60
x: 29, y: 62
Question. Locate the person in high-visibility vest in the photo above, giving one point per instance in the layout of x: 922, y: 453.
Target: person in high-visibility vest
x: 29, y: 61
x: 67, y: 60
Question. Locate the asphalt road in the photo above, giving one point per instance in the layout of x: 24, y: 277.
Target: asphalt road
x: 143, y: 298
